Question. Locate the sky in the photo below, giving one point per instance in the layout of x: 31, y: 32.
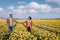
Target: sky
x: 37, y: 9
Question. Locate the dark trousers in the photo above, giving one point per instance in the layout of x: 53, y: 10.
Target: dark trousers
x: 11, y: 28
x: 29, y: 29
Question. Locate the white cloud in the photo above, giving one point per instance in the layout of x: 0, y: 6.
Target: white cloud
x: 11, y: 7
x: 37, y: 9
x: 45, y: 8
x: 57, y: 10
x: 19, y: 11
x: 1, y: 9
x: 22, y: 3
x: 40, y: 7
x: 33, y: 5
x: 3, y: 12
x: 21, y: 7
x: 56, y: 1
x: 33, y: 8
x: 33, y: 11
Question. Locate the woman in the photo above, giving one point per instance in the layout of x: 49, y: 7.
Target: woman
x: 29, y: 24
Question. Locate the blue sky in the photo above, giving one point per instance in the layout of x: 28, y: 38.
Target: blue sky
x: 5, y: 3
x: 34, y: 8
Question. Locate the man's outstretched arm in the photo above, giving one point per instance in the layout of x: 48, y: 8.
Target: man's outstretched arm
x: 16, y: 21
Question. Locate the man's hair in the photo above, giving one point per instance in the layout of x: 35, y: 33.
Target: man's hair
x: 30, y: 17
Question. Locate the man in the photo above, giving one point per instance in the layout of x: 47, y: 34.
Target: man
x: 10, y: 22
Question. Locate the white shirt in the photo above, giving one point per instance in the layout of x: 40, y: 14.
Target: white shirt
x: 11, y: 21
x: 29, y: 23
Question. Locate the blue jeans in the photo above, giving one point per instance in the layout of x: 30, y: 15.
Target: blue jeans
x: 11, y: 28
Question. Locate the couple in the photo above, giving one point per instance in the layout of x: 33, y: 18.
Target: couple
x: 10, y: 21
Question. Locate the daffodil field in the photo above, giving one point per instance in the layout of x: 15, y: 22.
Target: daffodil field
x: 41, y: 30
